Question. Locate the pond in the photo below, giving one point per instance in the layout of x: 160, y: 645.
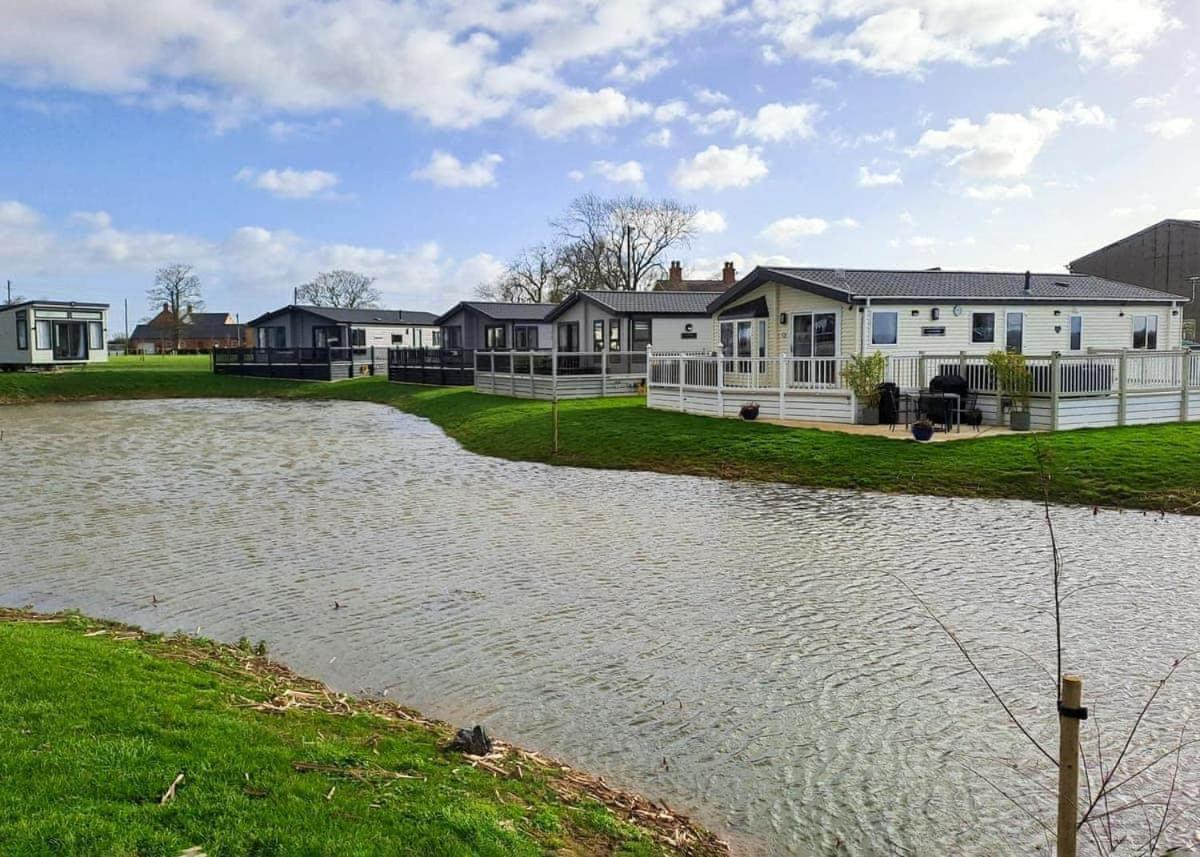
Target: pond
x: 742, y: 650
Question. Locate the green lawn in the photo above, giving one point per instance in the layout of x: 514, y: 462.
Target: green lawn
x: 97, y: 721
x: 1149, y: 467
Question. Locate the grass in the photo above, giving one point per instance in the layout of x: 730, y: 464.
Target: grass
x: 1148, y: 467
x: 97, y: 720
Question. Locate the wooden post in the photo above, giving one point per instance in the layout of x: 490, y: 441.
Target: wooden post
x: 1185, y: 381
x: 1122, y: 384
x: 721, y: 384
x: 682, y: 369
x: 492, y: 354
x: 604, y: 374
x: 921, y: 370
x: 1055, y: 389
x: 554, y: 369
x: 532, y: 380
x: 962, y: 364
x: 1070, y: 712
x: 554, y: 409
x: 512, y: 373
x: 781, y: 380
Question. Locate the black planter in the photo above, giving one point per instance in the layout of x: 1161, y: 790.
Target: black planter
x: 922, y: 433
x: 749, y: 412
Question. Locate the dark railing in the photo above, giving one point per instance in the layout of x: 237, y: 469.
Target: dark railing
x: 445, y: 367
x: 325, y: 364
x: 568, y: 364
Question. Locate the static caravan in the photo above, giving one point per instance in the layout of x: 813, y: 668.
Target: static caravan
x: 53, y: 333
x: 668, y: 321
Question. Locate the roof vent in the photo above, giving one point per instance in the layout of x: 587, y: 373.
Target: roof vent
x: 839, y: 273
x: 1061, y: 283
x: 1028, y: 282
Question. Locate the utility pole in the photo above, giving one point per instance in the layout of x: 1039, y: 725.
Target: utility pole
x: 127, y: 323
x: 9, y: 299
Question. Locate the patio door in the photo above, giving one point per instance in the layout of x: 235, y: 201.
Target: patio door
x: 70, y: 340
x: 814, y: 336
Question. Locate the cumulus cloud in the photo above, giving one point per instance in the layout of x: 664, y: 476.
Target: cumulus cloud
x: 711, y: 96
x: 575, y: 109
x: 775, y: 123
x: 289, y: 183
x: 629, y: 172
x: 709, y: 221
x: 869, y: 178
x: 445, y: 170
x: 789, y: 230
x: 660, y: 138
x: 1171, y: 128
x: 716, y: 169
x: 714, y: 120
x: 999, y: 191
x: 639, y: 72
x: 1005, y: 144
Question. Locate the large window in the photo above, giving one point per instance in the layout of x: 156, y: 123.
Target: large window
x: 641, y: 335
x: 493, y: 337
x: 1145, y: 332
x: 358, y: 337
x: 814, y: 335
x: 1014, y: 332
x: 598, y: 335
x: 324, y: 336
x: 272, y: 337
x: 22, y: 331
x: 762, y: 337
x: 70, y: 340
x: 983, y: 327
x: 614, y: 334
x: 41, y: 336
x: 884, y: 328
x: 568, y: 337
x: 727, y: 339
x: 95, y: 335
x: 452, y: 336
x: 525, y: 337
x: 1076, y: 333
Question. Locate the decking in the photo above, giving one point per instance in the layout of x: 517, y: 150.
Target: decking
x: 560, y: 375
x: 311, y: 364
x: 1111, y: 388
x: 443, y: 367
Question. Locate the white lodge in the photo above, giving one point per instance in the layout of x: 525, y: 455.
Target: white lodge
x: 804, y: 323
x: 53, y: 333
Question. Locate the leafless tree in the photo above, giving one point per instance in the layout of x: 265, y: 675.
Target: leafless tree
x: 176, y: 289
x: 621, y: 244
x: 342, y: 289
x: 536, y: 275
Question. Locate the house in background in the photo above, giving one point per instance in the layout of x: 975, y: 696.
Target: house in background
x: 676, y: 283
x: 491, y: 325
x: 198, y: 331
x: 1165, y: 256
x: 53, y: 333
x: 298, y: 326
x: 670, y: 321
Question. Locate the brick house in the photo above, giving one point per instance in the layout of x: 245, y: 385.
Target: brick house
x: 676, y: 283
x: 199, y: 331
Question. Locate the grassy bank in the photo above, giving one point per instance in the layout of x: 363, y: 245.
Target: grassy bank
x: 97, y: 722
x: 1147, y: 467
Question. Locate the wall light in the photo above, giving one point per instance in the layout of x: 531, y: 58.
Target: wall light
x: 916, y: 312
x: 935, y: 314
x: 783, y: 318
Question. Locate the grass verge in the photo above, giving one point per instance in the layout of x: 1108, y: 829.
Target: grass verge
x: 98, y: 721
x: 1147, y: 467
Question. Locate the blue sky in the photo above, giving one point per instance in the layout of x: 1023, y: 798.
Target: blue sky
x: 424, y: 143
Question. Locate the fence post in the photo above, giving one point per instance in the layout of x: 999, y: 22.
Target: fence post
x: 682, y: 369
x: 721, y: 385
x: 1070, y: 712
x: 1185, y: 381
x: 921, y: 370
x: 532, y: 380
x: 492, y: 354
x: 781, y: 380
x: 512, y: 373
x: 1055, y: 389
x: 1122, y: 384
x: 962, y: 364
x: 554, y: 369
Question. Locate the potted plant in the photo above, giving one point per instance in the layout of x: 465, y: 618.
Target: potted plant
x: 863, y: 374
x: 749, y: 411
x: 922, y: 429
x: 1014, y: 382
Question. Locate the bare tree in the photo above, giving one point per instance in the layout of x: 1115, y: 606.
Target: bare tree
x: 536, y: 275
x: 341, y: 289
x: 177, y: 290
x: 621, y: 244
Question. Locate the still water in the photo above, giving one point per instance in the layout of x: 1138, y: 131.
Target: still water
x: 740, y: 650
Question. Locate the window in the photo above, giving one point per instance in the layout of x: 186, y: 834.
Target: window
x: 420, y: 338
x: 397, y: 339
x: 614, y: 334
x: 452, y: 336
x: 1145, y: 332
x: 1014, y: 332
x: 493, y: 337
x: 22, y: 331
x: 1076, y: 333
x: 436, y: 337
x: 525, y: 337
x: 272, y: 337
x: 41, y: 335
x: 727, y: 339
x: 326, y: 335
x: 568, y: 337
x: 95, y: 336
x: 598, y: 335
x: 743, y: 344
x: 358, y: 337
x: 70, y: 340
x: 641, y: 335
x: 883, y: 328
x: 762, y: 337
x: 814, y: 335
x: 983, y: 327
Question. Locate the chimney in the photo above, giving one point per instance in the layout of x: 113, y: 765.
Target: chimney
x: 189, y: 312
x: 676, y: 274
x: 166, y: 307
x: 1028, y: 284
x: 728, y: 274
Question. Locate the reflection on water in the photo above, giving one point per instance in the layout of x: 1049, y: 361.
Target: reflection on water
x: 747, y: 634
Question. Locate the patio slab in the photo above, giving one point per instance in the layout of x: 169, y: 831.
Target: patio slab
x: 899, y: 433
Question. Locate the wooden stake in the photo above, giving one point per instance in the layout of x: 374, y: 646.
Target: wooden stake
x: 554, y: 408
x: 1069, y: 716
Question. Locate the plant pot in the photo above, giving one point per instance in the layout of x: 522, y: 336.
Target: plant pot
x: 922, y: 433
x: 1018, y: 420
x: 868, y: 416
x: 749, y: 412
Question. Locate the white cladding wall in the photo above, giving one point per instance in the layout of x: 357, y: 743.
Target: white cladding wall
x: 1104, y: 326
x: 35, y: 356
x: 666, y: 331
x: 411, y: 336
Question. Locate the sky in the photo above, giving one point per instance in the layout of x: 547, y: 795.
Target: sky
x: 263, y: 141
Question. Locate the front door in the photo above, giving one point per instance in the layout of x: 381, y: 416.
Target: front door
x: 814, y: 335
x: 70, y: 340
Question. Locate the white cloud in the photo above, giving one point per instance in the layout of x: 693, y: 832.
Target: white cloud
x: 445, y: 170
x: 630, y: 172
x: 17, y: 214
x: 1005, y: 144
x: 670, y: 111
x: 1172, y: 128
x: 575, y: 175
x: 711, y: 96
x: 1143, y: 210
x: 639, y: 72
x: 789, y: 230
x: 999, y: 191
x: 868, y: 178
x: 1147, y: 102
x: 709, y: 221
x: 289, y: 183
x: 908, y: 36
x: 714, y: 120
x: 660, y: 138
x: 778, y: 122
x: 575, y: 109
x: 716, y: 169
